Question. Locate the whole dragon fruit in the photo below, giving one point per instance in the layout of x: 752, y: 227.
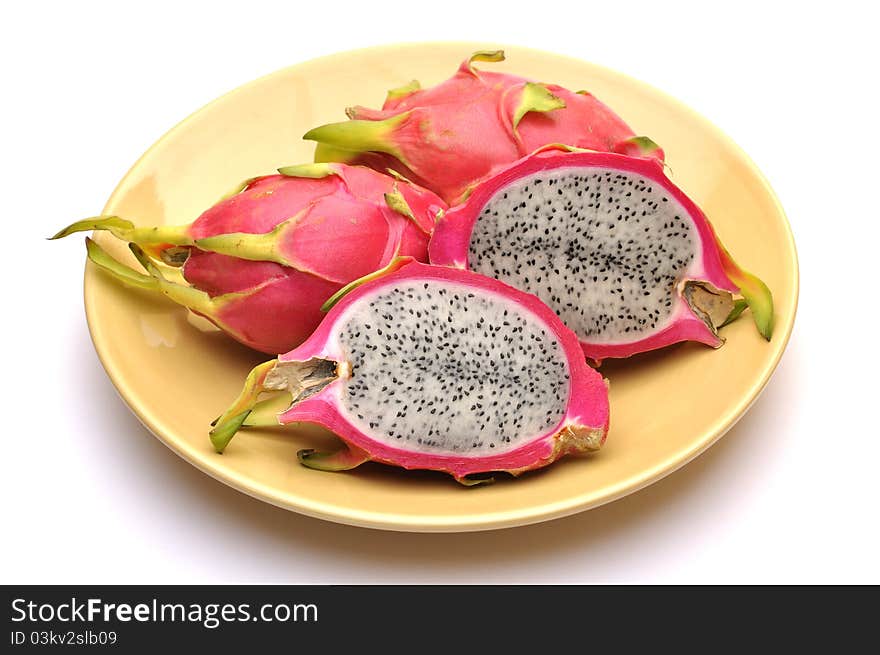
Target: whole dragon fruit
x: 448, y: 137
x: 260, y: 263
x: 429, y: 367
x: 625, y: 258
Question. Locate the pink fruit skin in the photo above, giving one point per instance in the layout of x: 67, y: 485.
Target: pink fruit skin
x: 449, y: 244
x: 343, y: 230
x: 461, y: 130
x: 283, y: 311
x: 588, y: 402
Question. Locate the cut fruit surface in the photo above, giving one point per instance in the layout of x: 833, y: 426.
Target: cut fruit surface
x: 621, y: 254
x: 435, y: 368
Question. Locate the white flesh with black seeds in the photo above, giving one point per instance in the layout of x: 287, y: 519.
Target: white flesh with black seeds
x: 604, y: 248
x: 443, y: 368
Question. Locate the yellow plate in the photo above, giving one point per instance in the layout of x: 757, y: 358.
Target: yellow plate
x: 667, y: 407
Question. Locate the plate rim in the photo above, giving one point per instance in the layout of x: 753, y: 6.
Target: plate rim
x: 475, y: 521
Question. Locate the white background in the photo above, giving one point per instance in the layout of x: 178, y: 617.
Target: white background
x: 790, y: 495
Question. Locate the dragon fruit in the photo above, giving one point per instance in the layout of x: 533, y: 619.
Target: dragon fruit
x: 260, y: 263
x: 448, y: 137
x: 428, y: 367
x: 624, y: 257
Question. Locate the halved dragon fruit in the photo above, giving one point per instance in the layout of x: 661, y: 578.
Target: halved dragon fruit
x: 621, y: 254
x: 448, y: 137
x: 260, y: 262
x: 427, y: 367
